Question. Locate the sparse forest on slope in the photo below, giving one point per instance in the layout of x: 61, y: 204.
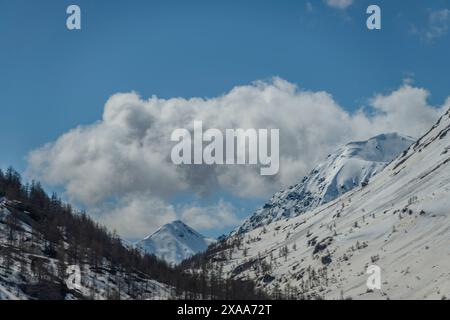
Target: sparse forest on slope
x: 40, y: 236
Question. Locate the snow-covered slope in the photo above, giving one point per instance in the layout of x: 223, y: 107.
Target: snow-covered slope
x: 349, y: 167
x: 400, y: 222
x: 29, y: 271
x: 174, y: 242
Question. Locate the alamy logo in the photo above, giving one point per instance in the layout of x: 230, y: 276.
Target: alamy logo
x: 374, y: 20
x: 374, y: 280
x: 73, y: 281
x: 241, y: 146
x: 73, y: 21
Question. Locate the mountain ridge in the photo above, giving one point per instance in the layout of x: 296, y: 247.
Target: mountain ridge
x: 398, y: 223
x: 348, y: 167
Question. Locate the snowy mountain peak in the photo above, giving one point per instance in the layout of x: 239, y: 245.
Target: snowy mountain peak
x: 174, y: 227
x: 399, y: 222
x: 174, y: 242
x: 382, y: 148
x: 350, y: 166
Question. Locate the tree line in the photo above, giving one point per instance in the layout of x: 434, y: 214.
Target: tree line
x: 73, y: 237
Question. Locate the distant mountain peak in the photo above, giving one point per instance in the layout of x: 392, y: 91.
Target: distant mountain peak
x: 173, y: 226
x: 348, y: 167
x: 174, y: 242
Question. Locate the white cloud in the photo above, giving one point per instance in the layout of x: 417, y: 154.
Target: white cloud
x: 339, y: 4
x: 218, y: 216
x: 125, y: 156
x: 135, y: 216
x: 404, y: 107
x: 138, y: 215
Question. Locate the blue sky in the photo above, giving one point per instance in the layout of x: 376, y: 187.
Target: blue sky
x: 52, y: 79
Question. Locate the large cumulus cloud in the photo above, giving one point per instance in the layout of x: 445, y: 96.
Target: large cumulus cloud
x: 126, y: 155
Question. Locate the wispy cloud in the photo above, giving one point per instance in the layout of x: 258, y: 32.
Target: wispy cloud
x: 309, y: 6
x: 437, y: 25
x: 339, y: 4
x: 439, y: 22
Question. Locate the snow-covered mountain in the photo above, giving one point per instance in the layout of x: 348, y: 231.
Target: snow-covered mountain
x: 349, y: 167
x: 399, y: 222
x: 174, y: 242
